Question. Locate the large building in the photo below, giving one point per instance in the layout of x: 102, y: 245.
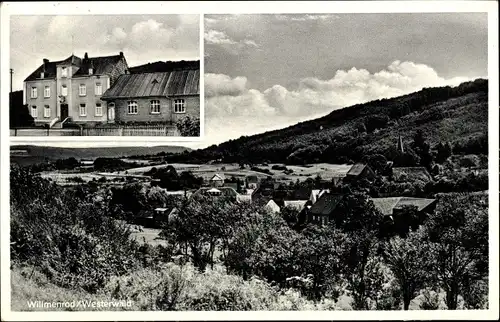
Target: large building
x: 72, y: 89
x: 154, y: 97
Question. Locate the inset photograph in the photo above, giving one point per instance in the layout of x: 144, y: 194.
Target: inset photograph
x: 105, y: 75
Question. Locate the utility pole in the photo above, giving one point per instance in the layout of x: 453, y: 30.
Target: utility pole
x: 11, y: 73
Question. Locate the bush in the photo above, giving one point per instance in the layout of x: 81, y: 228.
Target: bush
x: 189, y: 126
x: 66, y: 234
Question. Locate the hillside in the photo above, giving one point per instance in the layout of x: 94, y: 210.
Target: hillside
x: 36, y: 154
x: 167, y: 66
x: 456, y: 115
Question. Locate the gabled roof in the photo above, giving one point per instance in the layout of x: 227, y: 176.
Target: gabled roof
x: 356, y: 169
x: 50, y: 68
x: 226, y: 191
x: 297, y: 204
x: 272, y: 206
x: 317, y: 193
x: 217, y: 177
x: 326, y: 204
x: 101, y: 65
x: 177, y: 82
x: 411, y: 173
x: 387, y: 205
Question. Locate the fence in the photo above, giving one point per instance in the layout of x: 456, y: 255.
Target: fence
x: 126, y: 130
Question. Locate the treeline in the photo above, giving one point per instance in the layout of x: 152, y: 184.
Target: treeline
x: 348, y: 134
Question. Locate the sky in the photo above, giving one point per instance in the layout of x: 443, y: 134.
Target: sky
x: 268, y: 71
x: 142, y: 39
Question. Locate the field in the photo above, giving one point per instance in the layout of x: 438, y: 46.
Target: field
x: 325, y: 170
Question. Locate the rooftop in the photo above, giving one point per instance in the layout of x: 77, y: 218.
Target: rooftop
x: 159, y: 84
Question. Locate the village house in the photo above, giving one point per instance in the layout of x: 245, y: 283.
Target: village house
x: 252, y: 181
x: 323, y: 210
x: 272, y: 206
x: 72, y: 89
x: 217, y: 180
x: 392, y: 206
x: 360, y: 171
x: 220, y: 191
x: 163, y: 215
x: 156, y: 97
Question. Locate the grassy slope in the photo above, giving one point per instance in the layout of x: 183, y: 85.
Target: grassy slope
x: 444, y: 114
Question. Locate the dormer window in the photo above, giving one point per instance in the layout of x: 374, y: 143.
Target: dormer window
x: 42, y: 75
x: 64, y: 72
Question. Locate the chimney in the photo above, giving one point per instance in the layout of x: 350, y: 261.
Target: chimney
x: 86, y: 56
x: 91, y: 68
x: 121, y: 53
x: 45, y: 62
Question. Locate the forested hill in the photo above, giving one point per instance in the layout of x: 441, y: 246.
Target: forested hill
x: 166, y: 66
x: 457, y: 115
x: 32, y: 154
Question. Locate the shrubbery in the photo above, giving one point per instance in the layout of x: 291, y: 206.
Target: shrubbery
x: 189, y: 126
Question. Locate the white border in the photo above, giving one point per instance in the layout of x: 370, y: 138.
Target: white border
x: 260, y: 7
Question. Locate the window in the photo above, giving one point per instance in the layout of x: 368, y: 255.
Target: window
x: 82, y: 90
x: 33, y: 111
x: 98, y: 89
x: 46, y: 111
x: 46, y: 92
x: 64, y: 90
x: 155, y: 107
x: 179, y: 106
x: 34, y: 92
x: 64, y: 72
x: 91, y: 71
x: 132, y: 107
x: 98, y: 109
x: 83, y: 110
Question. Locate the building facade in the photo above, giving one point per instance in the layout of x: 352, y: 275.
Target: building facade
x: 156, y: 97
x: 72, y: 89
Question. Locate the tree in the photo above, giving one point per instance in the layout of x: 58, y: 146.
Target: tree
x: 377, y: 162
x: 444, y: 151
x: 408, y: 258
x: 362, y: 270
x: 203, y: 225
x: 321, y: 254
x: 459, y: 250
x: 189, y: 126
x: 422, y: 148
x: 265, y: 246
x: 19, y: 114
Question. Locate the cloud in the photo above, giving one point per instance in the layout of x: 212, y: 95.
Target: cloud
x: 250, y: 43
x: 233, y: 46
x: 228, y: 96
x: 223, y: 85
x: 217, y: 37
